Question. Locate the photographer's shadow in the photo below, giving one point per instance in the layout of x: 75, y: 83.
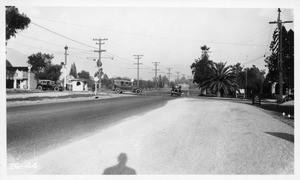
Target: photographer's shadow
x: 120, y: 168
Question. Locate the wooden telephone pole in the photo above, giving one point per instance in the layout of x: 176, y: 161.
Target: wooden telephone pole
x: 99, y: 63
x: 279, y: 23
x: 138, y: 57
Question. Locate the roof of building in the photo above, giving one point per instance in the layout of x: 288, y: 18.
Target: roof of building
x: 20, y: 68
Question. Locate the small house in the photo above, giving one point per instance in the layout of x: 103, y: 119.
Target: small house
x: 78, y: 85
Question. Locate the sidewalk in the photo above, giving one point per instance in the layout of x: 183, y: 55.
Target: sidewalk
x: 15, y: 99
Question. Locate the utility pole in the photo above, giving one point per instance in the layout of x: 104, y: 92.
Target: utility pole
x: 169, y: 74
x: 246, y: 91
x: 99, y: 63
x: 138, y: 57
x: 177, y: 73
x: 65, y: 65
x: 279, y: 23
x: 29, y: 80
x: 155, y: 65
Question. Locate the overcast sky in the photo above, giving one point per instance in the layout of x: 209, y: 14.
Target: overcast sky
x: 169, y: 35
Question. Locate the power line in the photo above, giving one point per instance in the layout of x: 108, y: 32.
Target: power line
x: 47, y: 42
x: 268, y: 40
x: 40, y: 40
x: 152, y: 36
x: 255, y: 59
x: 62, y: 35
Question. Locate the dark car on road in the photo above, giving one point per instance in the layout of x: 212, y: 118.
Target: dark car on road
x: 176, y: 90
x: 121, y: 86
x: 44, y: 85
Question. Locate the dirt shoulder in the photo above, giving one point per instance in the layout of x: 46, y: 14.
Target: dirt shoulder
x: 26, y: 98
x: 283, y: 112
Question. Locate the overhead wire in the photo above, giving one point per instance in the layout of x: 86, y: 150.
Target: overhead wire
x: 149, y: 35
x: 78, y: 57
x: 62, y: 35
x: 255, y: 59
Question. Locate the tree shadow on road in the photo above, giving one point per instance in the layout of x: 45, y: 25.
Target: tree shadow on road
x: 285, y: 136
x: 120, y: 168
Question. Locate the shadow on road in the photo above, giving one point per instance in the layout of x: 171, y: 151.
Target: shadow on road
x: 285, y: 136
x: 120, y: 168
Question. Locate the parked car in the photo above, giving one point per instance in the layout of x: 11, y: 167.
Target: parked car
x: 44, y: 85
x: 176, y: 90
x: 288, y: 97
x: 121, y: 86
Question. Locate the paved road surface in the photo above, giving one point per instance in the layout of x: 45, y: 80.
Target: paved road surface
x: 34, y: 129
x: 186, y: 136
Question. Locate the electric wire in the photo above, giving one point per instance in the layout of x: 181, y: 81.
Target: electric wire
x: 149, y: 35
x: 62, y: 35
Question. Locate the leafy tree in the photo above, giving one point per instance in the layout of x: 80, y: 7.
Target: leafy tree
x: 53, y: 72
x: 255, y: 79
x: 240, y: 74
x: 40, y: 61
x: 42, y: 66
x: 205, y: 50
x: 14, y: 21
x: 73, y: 71
x: 287, y: 58
x: 201, y: 68
x: 106, y: 81
x: 162, y: 80
x: 222, y: 78
x: 8, y: 64
x: 84, y: 74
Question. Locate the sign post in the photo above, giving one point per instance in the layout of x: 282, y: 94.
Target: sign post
x: 96, y: 80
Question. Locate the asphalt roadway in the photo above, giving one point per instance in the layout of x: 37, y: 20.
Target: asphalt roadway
x: 147, y: 135
x: 34, y: 129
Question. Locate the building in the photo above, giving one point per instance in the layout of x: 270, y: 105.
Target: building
x: 20, y: 78
x: 78, y: 85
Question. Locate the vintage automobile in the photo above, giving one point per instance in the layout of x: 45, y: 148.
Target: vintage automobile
x: 44, y: 85
x: 289, y: 97
x: 176, y: 90
x: 121, y: 86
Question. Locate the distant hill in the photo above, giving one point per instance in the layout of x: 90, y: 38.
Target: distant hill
x: 16, y: 58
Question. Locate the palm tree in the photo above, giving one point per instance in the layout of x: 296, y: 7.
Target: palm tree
x: 221, y: 78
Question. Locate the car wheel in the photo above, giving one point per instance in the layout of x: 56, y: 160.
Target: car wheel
x: 118, y: 91
x: 56, y: 88
x: 138, y: 91
x: 40, y: 88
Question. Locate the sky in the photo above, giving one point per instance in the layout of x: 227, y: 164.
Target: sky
x: 171, y: 36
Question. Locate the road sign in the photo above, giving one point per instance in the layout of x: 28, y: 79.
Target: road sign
x: 96, y: 79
